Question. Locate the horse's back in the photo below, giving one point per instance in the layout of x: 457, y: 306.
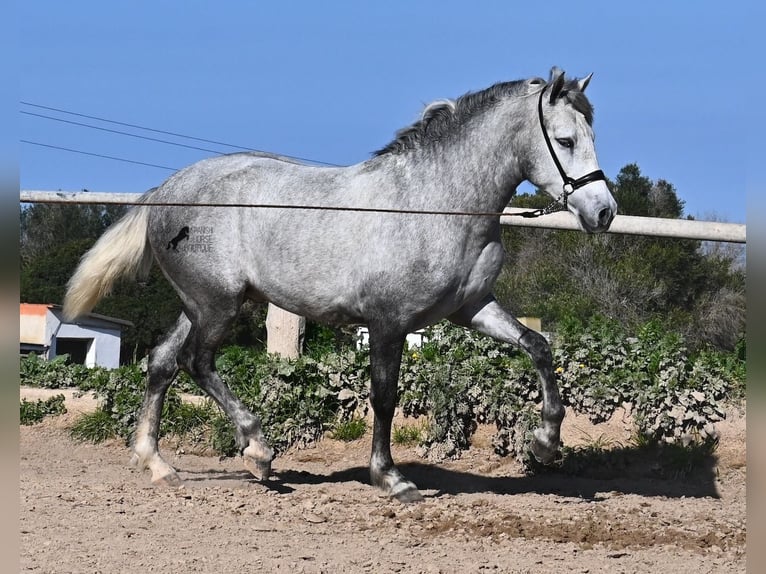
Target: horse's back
x: 270, y: 253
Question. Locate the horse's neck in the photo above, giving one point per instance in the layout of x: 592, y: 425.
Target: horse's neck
x: 481, y: 167
x: 468, y: 179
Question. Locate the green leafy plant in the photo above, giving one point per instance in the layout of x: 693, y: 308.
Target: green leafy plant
x: 455, y: 381
x: 57, y: 373
x: 96, y: 427
x: 350, y: 430
x: 32, y: 412
x: 673, y: 394
x: 409, y: 435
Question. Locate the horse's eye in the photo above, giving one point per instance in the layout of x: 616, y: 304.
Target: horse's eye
x: 565, y: 142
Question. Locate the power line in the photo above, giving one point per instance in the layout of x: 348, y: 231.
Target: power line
x: 140, y: 127
x: 98, y: 155
x: 121, y: 133
x: 134, y: 126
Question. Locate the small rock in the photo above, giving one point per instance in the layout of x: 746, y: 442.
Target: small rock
x: 314, y: 518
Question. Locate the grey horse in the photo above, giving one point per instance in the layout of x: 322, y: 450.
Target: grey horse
x: 396, y: 243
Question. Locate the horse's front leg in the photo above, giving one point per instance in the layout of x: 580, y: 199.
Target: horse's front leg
x: 385, y: 360
x: 490, y: 318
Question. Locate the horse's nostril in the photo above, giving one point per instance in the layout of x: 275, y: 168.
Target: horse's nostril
x: 605, y: 217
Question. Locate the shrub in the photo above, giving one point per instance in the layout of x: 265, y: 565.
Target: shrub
x: 96, y: 427
x: 460, y: 378
x: 32, y: 412
x: 457, y: 379
x: 350, y: 430
x: 298, y: 400
x: 673, y: 394
x: 57, y: 373
x: 409, y: 435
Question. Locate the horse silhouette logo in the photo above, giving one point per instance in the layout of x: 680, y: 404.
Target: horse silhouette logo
x: 183, y: 234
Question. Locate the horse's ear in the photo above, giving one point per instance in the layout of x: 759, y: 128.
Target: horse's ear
x: 557, y: 83
x: 582, y: 84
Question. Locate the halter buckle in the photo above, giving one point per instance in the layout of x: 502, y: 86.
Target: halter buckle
x: 568, y: 189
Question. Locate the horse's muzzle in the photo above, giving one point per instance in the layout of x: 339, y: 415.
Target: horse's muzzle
x: 600, y: 223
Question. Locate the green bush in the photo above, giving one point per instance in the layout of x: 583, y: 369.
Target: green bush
x: 350, y: 430
x: 32, y: 412
x: 457, y: 380
x: 298, y: 400
x: 57, y: 373
x: 673, y: 394
x: 460, y: 378
x: 96, y: 427
x: 408, y: 435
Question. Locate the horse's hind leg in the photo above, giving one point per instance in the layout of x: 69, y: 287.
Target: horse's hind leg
x: 162, y: 371
x: 385, y: 360
x: 197, y: 357
x: 490, y: 318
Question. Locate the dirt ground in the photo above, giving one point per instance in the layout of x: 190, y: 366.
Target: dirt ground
x: 83, y: 509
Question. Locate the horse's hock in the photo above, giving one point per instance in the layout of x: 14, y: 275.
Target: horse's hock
x: 285, y: 332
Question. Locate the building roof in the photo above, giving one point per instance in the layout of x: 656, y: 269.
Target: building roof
x: 36, y: 309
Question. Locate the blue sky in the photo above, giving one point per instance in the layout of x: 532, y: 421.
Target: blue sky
x: 333, y: 81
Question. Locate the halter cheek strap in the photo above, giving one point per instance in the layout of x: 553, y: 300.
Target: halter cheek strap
x: 570, y: 184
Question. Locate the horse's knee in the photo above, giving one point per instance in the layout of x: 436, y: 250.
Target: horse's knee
x: 537, y: 347
x: 553, y: 412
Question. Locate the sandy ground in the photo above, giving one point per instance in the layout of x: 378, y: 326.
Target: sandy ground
x: 83, y: 509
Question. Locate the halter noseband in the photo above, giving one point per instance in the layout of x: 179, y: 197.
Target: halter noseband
x: 570, y: 185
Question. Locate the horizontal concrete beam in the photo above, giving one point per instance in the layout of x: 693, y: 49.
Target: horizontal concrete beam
x: 633, y: 225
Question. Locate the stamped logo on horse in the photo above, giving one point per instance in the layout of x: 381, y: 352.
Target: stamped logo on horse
x: 198, y: 239
x: 183, y: 234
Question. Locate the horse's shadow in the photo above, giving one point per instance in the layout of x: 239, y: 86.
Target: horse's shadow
x: 630, y: 471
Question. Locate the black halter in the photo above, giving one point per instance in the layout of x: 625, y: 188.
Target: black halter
x: 570, y: 185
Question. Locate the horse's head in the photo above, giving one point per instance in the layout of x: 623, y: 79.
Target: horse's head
x: 564, y: 163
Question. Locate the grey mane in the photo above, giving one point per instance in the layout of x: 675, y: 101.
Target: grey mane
x: 444, y: 117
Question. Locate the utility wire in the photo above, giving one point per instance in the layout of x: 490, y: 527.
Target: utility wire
x: 121, y: 133
x: 134, y: 126
x: 174, y: 134
x: 99, y: 155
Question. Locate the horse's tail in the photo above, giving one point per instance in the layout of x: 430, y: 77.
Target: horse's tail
x: 122, y: 251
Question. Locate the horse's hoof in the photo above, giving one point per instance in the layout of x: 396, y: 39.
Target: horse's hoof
x: 405, y: 492
x: 171, y: 480
x: 408, y: 495
x: 260, y: 469
x: 544, y: 453
x: 257, y: 459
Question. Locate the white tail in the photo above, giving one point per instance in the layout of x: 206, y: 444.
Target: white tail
x: 122, y: 251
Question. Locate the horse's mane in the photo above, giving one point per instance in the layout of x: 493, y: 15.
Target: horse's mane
x: 442, y: 117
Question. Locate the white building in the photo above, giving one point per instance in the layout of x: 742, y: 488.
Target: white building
x: 90, y: 340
